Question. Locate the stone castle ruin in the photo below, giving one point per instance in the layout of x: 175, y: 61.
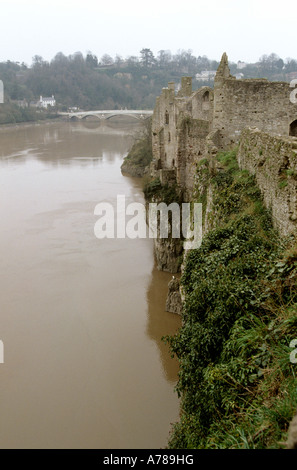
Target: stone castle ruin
x: 254, y: 114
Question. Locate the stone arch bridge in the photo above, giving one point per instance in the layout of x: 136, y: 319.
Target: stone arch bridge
x: 108, y: 114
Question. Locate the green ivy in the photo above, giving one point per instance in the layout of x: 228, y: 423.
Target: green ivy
x: 154, y: 190
x: 236, y: 382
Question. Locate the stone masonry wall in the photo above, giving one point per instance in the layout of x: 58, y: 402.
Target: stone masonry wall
x: 189, y: 126
x: 273, y: 161
x: 259, y: 103
x: 177, y: 146
x: 164, y: 129
x: 250, y: 102
x: 201, y: 104
x: 191, y: 147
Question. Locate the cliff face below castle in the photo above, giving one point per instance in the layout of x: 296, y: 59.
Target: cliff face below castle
x: 168, y: 254
x: 137, y: 162
x: 174, y: 300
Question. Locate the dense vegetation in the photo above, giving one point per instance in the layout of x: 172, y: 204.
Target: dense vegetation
x: 11, y: 113
x: 140, y: 155
x: 237, y: 385
x: 114, y: 83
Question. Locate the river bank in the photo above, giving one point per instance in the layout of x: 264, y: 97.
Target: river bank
x: 17, y: 125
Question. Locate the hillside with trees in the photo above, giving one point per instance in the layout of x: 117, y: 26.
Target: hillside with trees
x: 86, y: 82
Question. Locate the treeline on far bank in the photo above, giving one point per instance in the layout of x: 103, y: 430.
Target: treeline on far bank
x: 85, y: 82
x: 11, y: 113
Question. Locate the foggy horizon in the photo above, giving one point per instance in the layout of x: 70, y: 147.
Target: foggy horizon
x: 34, y: 28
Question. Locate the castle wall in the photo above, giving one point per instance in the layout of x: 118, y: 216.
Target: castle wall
x: 250, y: 103
x: 273, y: 161
x: 176, y: 147
x: 202, y: 103
x: 189, y: 126
x: 164, y: 129
x: 191, y: 147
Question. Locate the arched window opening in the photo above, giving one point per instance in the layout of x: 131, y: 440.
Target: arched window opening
x: 293, y: 128
x: 205, y: 97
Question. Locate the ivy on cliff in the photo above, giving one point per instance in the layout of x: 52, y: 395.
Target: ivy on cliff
x: 237, y: 385
x: 155, y: 191
x: 140, y: 154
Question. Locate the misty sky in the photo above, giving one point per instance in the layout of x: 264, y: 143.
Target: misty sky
x: 244, y: 29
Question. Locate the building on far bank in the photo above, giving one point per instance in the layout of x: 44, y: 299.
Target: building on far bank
x: 205, y: 75
x: 21, y: 103
x: 45, y: 102
x: 241, y: 65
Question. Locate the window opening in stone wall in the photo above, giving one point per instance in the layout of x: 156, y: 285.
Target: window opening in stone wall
x: 166, y: 117
x: 205, y: 97
x: 293, y: 128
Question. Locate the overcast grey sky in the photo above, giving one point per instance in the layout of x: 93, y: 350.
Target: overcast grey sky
x: 244, y: 29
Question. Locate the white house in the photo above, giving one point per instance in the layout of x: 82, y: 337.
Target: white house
x: 241, y: 65
x: 44, y: 102
x: 205, y: 75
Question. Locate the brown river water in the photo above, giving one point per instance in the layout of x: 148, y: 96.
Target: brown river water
x: 81, y: 319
